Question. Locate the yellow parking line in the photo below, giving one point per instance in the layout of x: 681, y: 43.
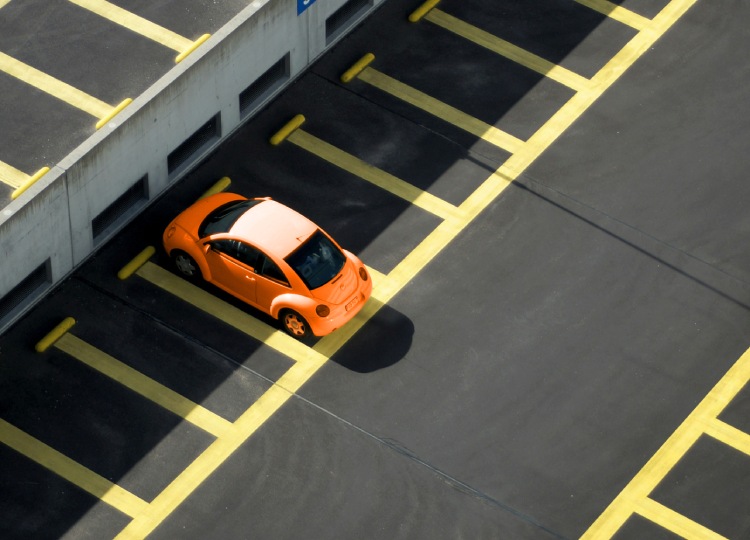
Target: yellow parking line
x: 377, y: 276
x: 145, y: 386
x: 227, y: 313
x: 486, y: 193
x: 674, y: 522
x: 54, y: 87
x: 72, y: 471
x: 617, y: 13
x: 205, y: 465
x: 375, y: 176
x: 135, y: 23
x: 11, y: 176
x: 508, y: 50
x: 4, y: 3
x: 441, y: 110
x: 729, y: 435
x: 678, y: 444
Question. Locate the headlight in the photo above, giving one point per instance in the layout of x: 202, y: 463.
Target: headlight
x: 363, y: 273
x: 322, y: 310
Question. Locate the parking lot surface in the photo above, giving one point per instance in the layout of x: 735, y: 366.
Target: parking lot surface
x: 550, y: 201
x: 66, y: 65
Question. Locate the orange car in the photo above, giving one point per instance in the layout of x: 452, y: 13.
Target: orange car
x: 271, y: 257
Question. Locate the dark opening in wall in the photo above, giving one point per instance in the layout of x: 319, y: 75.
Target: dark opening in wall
x: 264, y: 86
x: 126, y: 203
x: 25, y: 291
x: 183, y: 155
x: 344, y: 17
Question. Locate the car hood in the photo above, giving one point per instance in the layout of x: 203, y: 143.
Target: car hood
x: 340, y: 288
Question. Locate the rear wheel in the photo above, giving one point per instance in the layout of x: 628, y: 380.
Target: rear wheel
x: 295, y: 324
x: 185, y: 264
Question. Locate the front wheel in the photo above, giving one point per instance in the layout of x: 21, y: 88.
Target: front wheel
x: 185, y: 264
x: 295, y: 324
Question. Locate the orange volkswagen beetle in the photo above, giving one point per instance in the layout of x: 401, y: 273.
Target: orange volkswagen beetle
x: 271, y: 257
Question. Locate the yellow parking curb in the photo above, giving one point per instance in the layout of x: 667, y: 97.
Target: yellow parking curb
x: 357, y: 68
x: 287, y: 130
x: 26, y: 185
x: 197, y: 43
x: 138, y: 261
x: 115, y: 112
x: 56, y: 333
x: 422, y: 10
x: 218, y: 187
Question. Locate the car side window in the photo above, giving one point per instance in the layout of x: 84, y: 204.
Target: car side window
x: 269, y: 269
x: 240, y: 251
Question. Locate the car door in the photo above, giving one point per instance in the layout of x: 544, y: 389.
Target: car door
x: 232, y: 266
x: 271, y: 282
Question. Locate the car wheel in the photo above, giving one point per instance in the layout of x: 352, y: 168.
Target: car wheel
x: 295, y: 324
x: 185, y: 264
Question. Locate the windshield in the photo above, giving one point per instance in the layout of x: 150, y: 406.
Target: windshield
x: 317, y: 261
x: 222, y: 219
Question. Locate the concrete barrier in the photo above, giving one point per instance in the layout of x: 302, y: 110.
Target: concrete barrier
x: 59, y: 221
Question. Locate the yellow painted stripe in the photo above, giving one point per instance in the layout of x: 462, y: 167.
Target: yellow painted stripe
x: 441, y: 110
x: 54, y: 87
x: 485, y: 194
x: 672, y: 450
x: 145, y: 386
x: 4, y: 3
x: 135, y: 23
x: 617, y: 13
x: 729, y: 435
x: 508, y: 50
x: 227, y: 313
x: 375, y: 176
x: 675, y: 522
x: 377, y: 276
x: 70, y: 470
x: 11, y: 176
x: 205, y: 465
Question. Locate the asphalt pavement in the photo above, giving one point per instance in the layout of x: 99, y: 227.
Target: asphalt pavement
x: 59, y: 48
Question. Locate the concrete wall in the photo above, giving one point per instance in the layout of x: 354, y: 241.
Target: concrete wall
x: 51, y: 223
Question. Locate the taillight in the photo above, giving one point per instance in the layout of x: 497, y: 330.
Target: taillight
x: 322, y: 310
x: 363, y: 273
x: 171, y: 231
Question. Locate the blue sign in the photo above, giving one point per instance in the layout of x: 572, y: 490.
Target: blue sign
x: 302, y: 5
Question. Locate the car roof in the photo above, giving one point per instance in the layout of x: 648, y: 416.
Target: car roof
x: 273, y: 227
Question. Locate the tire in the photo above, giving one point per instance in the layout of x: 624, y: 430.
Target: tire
x: 295, y: 324
x: 185, y: 264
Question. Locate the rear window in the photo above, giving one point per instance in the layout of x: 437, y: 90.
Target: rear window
x: 317, y: 261
x: 222, y: 219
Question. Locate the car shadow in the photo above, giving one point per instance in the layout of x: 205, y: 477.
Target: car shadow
x: 387, y: 341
